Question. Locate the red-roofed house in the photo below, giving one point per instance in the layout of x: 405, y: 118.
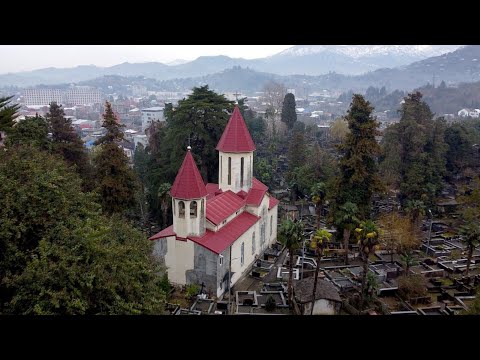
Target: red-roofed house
x: 218, y: 229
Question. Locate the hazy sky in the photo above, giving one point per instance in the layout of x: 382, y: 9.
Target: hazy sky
x: 15, y: 58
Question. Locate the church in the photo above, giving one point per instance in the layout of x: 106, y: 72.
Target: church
x: 218, y: 230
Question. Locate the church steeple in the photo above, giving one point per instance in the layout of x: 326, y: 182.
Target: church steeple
x: 236, y: 137
x: 188, y: 199
x: 235, y: 155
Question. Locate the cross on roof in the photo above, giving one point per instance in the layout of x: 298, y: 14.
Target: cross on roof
x: 236, y: 96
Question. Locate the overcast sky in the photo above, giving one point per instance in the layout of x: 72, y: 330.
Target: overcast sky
x: 15, y: 58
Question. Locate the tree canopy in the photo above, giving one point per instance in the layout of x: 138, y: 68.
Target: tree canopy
x: 67, y: 143
x: 289, y: 114
x: 58, y: 254
x: 359, y: 178
x: 8, y: 113
x: 199, y: 120
x: 116, y: 181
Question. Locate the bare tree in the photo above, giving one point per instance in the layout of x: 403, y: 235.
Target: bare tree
x: 274, y: 93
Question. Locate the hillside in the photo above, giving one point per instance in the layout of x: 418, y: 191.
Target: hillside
x: 310, y: 60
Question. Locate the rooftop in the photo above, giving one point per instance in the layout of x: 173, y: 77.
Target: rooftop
x: 189, y: 183
x: 155, y: 108
x: 220, y: 240
x: 222, y: 206
x: 236, y: 137
x: 256, y: 193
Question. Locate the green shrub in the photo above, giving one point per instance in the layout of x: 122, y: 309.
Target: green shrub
x: 412, y: 286
x: 192, y: 290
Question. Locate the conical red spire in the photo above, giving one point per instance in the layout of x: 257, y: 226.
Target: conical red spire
x: 189, y: 183
x: 236, y: 137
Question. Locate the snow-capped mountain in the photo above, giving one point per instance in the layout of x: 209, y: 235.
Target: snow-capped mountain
x: 297, y: 60
x: 358, y: 51
x: 177, y: 62
x: 350, y: 59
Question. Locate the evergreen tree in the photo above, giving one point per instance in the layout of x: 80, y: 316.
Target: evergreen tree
x: 8, y: 113
x: 460, y: 151
x: 155, y: 169
x: 58, y: 254
x: 296, y: 157
x: 359, y: 178
x: 415, y: 151
x: 116, y: 181
x: 31, y: 131
x: 140, y: 163
x: 165, y: 201
x: 42, y: 193
x: 199, y: 119
x: 289, y: 114
x: 67, y: 143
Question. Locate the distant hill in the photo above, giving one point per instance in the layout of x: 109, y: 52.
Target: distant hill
x: 447, y: 100
x: 456, y: 67
x: 301, y: 59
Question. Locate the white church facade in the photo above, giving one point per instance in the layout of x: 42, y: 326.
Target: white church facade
x: 218, y: 230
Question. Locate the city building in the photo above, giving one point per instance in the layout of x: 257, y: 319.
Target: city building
x: 150, y: 115
x: 79, y: 95
x: 218, y: 230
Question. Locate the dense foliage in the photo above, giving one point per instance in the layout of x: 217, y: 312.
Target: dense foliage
x: 58, y: 254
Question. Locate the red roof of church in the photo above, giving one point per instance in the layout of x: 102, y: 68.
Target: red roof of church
x: 256, y: 193
x: 164, y: 233
x: 222, y: 206
x: 220, y: 240
x: 188, y: 183
x: 272, y: 202
x: 235, y: 137
x: 212, y: 190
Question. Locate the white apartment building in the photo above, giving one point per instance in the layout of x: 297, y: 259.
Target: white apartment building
x: 73, y: 96
x: 150, y: 115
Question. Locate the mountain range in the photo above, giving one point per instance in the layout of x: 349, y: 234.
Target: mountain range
x: 461, y: 65
x: 310, y: 60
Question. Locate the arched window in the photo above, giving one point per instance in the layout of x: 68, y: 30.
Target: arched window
x: 221, y: 168
x: 241, y: 171
x: 181, y: 209
x: 193, y: 209
x: 253, y: 243
x: 271, y: 225
x: 229, y: 171
x: 242, y: 257
x: 202, y: 208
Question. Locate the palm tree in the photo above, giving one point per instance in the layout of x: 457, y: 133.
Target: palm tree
x: 318, y: 193
x: 346, y: 218
x: 291, y: 235
x: 8, y: 113
x: 164, y: 197
x: 409, y: 261
x: 367, y: 234
x: 415, y: 208
x: 318, y: 242
x: 471, y: 237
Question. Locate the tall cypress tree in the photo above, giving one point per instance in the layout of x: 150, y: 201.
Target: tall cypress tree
x: 116, y: 181
x: 67, y: 143
x: 415, y: 151
x: 359, y: 178
x: 289, y: 114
